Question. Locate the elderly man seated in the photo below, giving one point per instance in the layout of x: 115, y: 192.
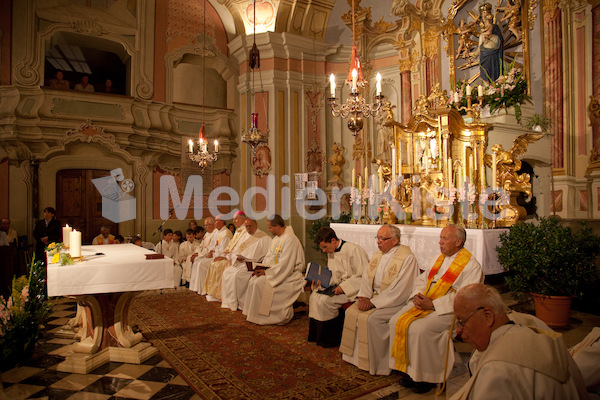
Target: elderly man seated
x: 419, y: 331
x: 385, y: 287
x: 510, y: 361
x: 104, y: 237
x: 273, y: 291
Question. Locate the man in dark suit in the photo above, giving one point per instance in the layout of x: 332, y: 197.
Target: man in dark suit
x: 46, y: 231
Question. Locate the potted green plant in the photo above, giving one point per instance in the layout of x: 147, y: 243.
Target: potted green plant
x: 550, y: 261
x: 538, y: 122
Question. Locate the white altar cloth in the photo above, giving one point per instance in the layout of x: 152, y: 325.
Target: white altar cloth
x: 122, y: 268
x: 424, y: 242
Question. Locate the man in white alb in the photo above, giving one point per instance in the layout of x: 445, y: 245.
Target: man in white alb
x: 272, y: 291
x: 186, y: 249
x: 346, y: 262
x: 206, y: 244
x: 234, y: 282
x: 386, y: 285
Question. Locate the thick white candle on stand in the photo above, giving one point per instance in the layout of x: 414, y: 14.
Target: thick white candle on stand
x: 353, y: 177
x: 332, y: 85
x: 75, y: 244
x: 216, y: 146
x: 66, y: 230
x: 354, y: 81
x: 366, y: 177
x: 378, y: 84
x: 191, y: 146
x: 468, y: 90
x: 393, y: 163
x: 480, y: 91
x: 456, y: 99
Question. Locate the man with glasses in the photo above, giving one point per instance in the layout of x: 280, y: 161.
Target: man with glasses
x: 510, y: 361
x: 386, y: 284
x: 209, y: 241
x: 420, y: 330
x: 346, y: 262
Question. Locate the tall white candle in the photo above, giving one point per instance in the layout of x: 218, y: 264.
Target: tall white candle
x: 393, y: 162
x: 366, y: 177
x: 354, y: 80
x: 471, y: 169
x: 480, y: 91
x: 66, y: 234
x: 191, y: 145
x: 216, y: 146
x: 353, y: 177
x: 360, y: 183
x: 378, y: 84
x: 380, y: 175
x: 75, y: 244
x: 468, y: 90
x: 494, y: 171
x: 332, y: 85
x: 456, y: 99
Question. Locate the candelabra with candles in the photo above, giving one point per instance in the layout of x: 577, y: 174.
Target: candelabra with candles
x: 201, y: 155
x: 254, y: 137
x: 356, y: 106
x: 473, y: 110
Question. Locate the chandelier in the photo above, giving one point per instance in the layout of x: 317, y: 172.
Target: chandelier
x: 201, y: 155
x: 254, y: 137
x: 356, y: 107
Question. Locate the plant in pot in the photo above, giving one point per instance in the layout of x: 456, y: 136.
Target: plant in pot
x: 539, y: 123
x: 550, y: 261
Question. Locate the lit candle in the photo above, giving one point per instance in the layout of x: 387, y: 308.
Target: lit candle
x: 456, y: 99
x: 468, y: 90
x: 354, y: 80
x: 191, y: 146
x: 353, y: 177
x: 378, y: 84
x: 380, y: 175
x: 393, y: 162
x: 332, y: 85
x: 66, y: 232
x: 494, y: 171
x: 216, y: 146
x: 75, y: 244
x: 480, y: 91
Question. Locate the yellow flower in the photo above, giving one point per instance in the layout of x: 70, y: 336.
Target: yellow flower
x: 51, y: 245
x: 55, y: 258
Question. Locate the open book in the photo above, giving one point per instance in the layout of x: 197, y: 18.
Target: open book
x: 315, y: 272
x: 254, y: 266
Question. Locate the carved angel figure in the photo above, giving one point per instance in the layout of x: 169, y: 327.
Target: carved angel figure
x: 512, y: 13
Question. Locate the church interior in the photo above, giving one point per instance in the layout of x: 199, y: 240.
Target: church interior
x: 418, y: 113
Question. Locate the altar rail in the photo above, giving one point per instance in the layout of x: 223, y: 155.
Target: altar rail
x: 424, y: 242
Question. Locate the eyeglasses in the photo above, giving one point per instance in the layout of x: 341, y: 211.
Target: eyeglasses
x: 383, y: 239
x: 462, y: 322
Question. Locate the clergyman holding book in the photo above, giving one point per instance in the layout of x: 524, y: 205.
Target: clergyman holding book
x: 339, y: 285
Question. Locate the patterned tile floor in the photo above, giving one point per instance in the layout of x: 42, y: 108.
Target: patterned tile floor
x: 154, y: 379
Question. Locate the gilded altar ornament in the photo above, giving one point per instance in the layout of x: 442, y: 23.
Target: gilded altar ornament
x: 337, y: 162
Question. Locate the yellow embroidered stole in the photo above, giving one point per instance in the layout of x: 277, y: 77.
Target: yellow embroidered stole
x: 439, y: 289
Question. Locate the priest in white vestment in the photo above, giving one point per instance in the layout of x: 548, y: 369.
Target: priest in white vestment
x: 386, y: 284
x: 587, y: 357
x: 212, y: 284
x: 273, y: 291
x: 419, y: 331
x: 346, y: 262
x: 234, y: 282
x: 510, y: 361
x: 207, y: 243
x: 221, y: 238
x: 186, y: 250
x: 170, y: 249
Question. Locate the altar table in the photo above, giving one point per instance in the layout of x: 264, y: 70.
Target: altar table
x: 424, y: 242
x: 104, y: 286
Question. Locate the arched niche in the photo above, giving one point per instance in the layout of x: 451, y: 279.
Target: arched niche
x: 189, y: 79
x: 77, y: 54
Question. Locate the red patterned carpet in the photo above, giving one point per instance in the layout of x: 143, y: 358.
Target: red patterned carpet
x: 222, y: 356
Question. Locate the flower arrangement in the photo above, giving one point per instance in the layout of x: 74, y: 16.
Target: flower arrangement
x: 22, y: 316
x: 55, y: 250
x: 509, y: 90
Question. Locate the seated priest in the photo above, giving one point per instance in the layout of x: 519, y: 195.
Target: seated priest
x: 212, y: 285
x: 419, y: 331
x: 346, y: 262
x: 386, y: 284
x: 586, y: 355
x: 170, y: 249
x: 221, y: 238
x: 272, y: 291
x: 104, y: 237
x: 186, y: 249
x: 208, y: 242
x: 234, y: 282
x: 510, y: 361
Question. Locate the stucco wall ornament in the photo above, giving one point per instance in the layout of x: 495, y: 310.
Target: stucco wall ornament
x: 314, y: 158
x: 88, y: 27
x: 315, y: 99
